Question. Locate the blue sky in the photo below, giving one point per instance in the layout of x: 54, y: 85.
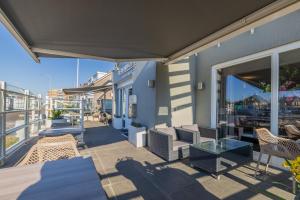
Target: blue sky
x: 19, y: 69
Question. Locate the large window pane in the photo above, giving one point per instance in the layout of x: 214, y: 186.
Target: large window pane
x: 289, y: 90
x: 244, y: 98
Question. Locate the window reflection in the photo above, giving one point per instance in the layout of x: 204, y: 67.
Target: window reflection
x: 244, y: 98
x: 289, y: 91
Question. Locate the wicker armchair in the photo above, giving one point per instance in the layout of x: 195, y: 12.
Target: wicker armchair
x: 292, y: 132
x: 275, y: 146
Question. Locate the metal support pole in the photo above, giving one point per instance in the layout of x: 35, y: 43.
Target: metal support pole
x: 274, y: 92
x: 77, y: 80
x: 82, y: 113
x: 81, y: 137
x: 47, y: 107
x: 40, y: 122
x: 27, y: 130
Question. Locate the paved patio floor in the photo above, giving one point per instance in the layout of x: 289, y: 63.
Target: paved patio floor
x: 130, y: 173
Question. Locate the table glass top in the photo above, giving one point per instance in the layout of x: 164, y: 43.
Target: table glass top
x: 220, y: 146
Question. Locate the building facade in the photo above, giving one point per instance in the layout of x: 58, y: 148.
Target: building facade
x: 247, y: 82
x: 244, y: 83
x: 134, y: 94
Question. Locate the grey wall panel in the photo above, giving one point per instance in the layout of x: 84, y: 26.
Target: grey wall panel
x: 277, y: 33
x: 143, y: 72
x: 175, y: 93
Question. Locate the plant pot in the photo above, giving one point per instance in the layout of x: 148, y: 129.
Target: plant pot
x: 50, y: 122
x: 137, y: 136
x: 117, y: 123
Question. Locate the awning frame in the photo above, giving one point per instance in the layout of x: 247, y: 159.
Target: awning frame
x: 77, y: 55
x: 84, y: 90
x: 12, y: 29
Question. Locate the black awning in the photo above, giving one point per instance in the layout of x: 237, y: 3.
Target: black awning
x: 123, y: 30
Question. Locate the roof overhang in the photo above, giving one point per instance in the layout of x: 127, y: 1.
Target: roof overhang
x: 117, y: 31
x: 84, y: 90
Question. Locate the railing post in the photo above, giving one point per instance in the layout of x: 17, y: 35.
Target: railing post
x: 27, y: 132
x: 47, y: 108
x: 50, y: 106
x: 2, y: 122
x: 82, y: 101
x: 39, y: 112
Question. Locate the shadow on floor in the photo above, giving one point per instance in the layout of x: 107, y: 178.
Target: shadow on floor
x: 135, y: 173
x: 153, y: 182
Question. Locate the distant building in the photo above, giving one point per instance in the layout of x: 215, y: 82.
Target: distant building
x: 103, y: 99
x: 99, y: 100
x: 134, y: 94
x: 95, y: 77
x: 56, y: 93
x: 59, y: 94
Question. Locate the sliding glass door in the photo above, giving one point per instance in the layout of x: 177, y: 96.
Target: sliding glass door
x: 244, y: 98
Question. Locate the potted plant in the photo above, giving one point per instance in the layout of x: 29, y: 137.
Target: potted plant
x: 294, y: 167
x: 56, y: 118
x: 137, y: 134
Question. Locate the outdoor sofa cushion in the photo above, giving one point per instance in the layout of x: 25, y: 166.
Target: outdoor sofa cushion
x: 204, y: 135
x: 164, y: 142
x: 169, y: 131
x: 193, y: 127
x: 180, y: 145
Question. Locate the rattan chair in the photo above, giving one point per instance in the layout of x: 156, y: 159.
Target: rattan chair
x: 292, y: 132
x: 42, y: 152
x: 275, y: 146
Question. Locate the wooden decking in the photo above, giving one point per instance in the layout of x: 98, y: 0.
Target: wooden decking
x: 131, y: 173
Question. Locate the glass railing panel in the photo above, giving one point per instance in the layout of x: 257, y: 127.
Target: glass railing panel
x: 14, y: 119
x: 14, y: 101
x: 14, y: 138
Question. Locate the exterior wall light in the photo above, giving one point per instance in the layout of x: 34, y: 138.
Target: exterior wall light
x: 200, y: 85
x: 151, y: 83
x: 252, y: 31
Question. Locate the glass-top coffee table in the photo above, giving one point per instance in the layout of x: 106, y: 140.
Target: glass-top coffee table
x: 217, y: 157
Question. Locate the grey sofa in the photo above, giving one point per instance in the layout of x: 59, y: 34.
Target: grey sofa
x: 171, y: 143
x: 204, y: 134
